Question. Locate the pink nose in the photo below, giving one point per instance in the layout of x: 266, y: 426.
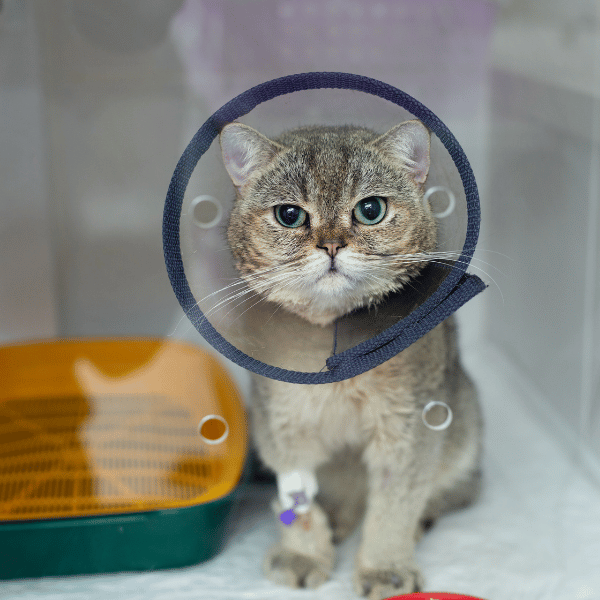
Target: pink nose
x: 332, y: 248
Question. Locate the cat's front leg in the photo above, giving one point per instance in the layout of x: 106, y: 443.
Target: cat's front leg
x: 399, y: 486
x: 304, y: 555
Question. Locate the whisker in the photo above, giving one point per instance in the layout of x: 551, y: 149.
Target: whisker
x: 241, y: 281
x: 262, y: 298
x: 494, y: 252
x: 264, y: 287
x: 433, y: 259
x: 485, y: 273
x: 473, y: 258
x: 279, y: 305
x: 427, y: 257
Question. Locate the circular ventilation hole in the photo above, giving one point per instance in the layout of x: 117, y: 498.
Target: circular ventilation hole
x: 213, y: 429
x: 451, y: 200
x: 206, y: 211
x: 437, y: 415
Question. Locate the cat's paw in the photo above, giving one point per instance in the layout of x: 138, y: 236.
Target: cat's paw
x: 286, y: 567
x: 378, y: 584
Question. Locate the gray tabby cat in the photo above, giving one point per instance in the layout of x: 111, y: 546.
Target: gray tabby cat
x: 327, y: 220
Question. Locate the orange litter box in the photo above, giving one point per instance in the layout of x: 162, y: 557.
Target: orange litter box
x: 115, y: 455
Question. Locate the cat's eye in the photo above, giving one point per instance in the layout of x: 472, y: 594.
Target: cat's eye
x: 289, y: 215
x: 370, y: 211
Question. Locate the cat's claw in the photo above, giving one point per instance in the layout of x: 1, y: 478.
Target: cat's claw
x: 380, y: 584
x: 289, y: 568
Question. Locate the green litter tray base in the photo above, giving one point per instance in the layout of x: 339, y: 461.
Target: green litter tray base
x: 131, y: 542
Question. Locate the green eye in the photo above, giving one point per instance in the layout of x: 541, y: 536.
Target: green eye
x: 370, y: 211
x: 289, y: 215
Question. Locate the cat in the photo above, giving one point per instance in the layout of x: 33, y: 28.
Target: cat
x: 326, y: 221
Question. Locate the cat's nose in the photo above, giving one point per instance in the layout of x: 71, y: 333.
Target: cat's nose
x: 331, y: 248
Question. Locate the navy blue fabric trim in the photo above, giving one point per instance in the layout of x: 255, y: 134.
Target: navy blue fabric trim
x: 456, y: 289
x: 469, y: 286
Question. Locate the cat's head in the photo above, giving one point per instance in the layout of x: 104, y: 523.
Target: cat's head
x: 325, y: 216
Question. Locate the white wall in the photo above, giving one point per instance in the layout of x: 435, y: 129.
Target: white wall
x: 28, y: 293
x: 544, y: 195
x: 94, y: 121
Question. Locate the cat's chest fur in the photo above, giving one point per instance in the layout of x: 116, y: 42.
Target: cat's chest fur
x: 336, y: 414
x: 377, y: 405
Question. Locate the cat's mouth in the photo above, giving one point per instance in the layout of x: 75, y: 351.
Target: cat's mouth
x: 333, y: 272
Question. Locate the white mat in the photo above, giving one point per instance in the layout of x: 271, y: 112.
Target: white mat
x: 534, y: 535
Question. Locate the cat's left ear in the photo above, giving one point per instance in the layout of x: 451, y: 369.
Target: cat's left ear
x: 408, y: 143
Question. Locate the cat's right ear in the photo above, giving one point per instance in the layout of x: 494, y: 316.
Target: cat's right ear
x: 245, y: 151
